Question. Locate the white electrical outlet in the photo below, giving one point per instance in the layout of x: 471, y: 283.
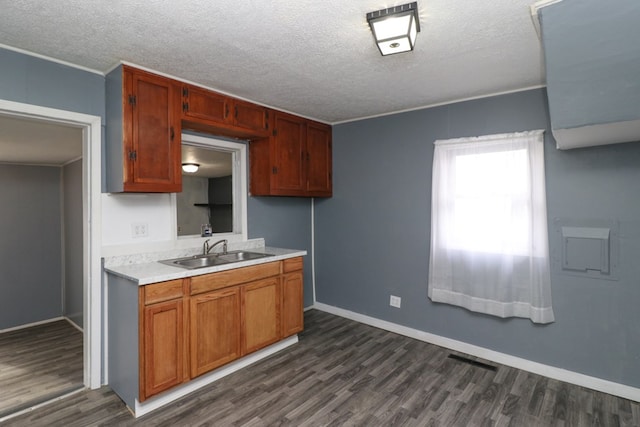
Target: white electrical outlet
x: 395, y: 301
x: 139, y: 229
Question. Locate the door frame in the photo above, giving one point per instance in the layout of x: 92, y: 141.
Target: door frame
x: 92, y: 225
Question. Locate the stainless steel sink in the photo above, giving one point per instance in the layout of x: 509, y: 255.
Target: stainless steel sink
x: 236, y: 256
x: 198, y: 261
x: 211, y: 260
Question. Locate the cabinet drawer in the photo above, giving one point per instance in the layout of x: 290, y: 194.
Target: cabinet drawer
x: 162, y: 291
x: 222, y: 279
x: 292, y: 264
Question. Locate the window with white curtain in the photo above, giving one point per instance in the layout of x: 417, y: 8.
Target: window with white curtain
x: 489, y: 242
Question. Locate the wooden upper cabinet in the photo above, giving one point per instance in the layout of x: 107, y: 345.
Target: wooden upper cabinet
x: 289, y: 155
x: 198, y: 103
x: 222, y: 113
x: 288, y: 151
x: 143, y: 132
x: 250, y: 116
x: 295, y: 160
x: 319, y: 160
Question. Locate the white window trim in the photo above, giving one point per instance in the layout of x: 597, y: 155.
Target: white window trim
x: 239, y: 153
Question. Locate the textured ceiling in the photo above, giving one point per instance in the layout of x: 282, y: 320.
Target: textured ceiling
x: 312, y: 58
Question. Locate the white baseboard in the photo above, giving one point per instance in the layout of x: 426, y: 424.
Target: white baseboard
x: 552, y: 372
x: 74, y: 324
x: 28, y: 325
x: 195, y: 384
x: 40, y: 405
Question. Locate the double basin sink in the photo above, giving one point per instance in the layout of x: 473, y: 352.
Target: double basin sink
x: 211, y: 260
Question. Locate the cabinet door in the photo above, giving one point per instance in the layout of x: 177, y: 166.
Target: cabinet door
x: 151, y: 134
x: 292, y: 304
x: 250, y: 116
x: 260, y: 314
x: 204, y: 104
x: 319, y: 159
x: 288, y: 172
x: 215, y: 330
x: 164, y: 346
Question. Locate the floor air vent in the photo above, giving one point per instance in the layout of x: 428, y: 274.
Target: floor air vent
x: 472, y: 362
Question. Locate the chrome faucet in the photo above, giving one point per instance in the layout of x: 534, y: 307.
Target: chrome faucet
x: 206, y: 248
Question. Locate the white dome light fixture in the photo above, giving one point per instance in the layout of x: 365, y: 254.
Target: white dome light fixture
x: 190, y: 167
x: 395, y: 29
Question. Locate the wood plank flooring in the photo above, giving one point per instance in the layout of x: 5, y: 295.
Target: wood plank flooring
x: 38, y: 363
x: 343, y: 373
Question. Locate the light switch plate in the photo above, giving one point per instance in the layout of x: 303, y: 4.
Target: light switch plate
x: 395, y: 301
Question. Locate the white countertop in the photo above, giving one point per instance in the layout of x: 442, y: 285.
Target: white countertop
x: 152, y: 272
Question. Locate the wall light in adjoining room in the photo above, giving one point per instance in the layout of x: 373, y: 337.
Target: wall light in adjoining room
x: 190, y: 167
x: 395, y: 28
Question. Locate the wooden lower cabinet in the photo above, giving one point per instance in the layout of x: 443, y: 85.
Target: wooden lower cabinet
x: 260, y: 314
x: 292, y: 304
x: 189, y: 327
x: 164, y: 344
x: 214, y: 330
x: 292, y: 297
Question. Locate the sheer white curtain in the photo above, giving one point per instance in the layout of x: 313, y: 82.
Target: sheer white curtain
x: 489, y: 242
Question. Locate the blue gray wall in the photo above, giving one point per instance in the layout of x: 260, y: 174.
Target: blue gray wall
x: 73, y: 242
x: 592, y: 69
x: 36, y: 81
x: 284, y: 222
x: 30, y: 245
x: 372, y: 237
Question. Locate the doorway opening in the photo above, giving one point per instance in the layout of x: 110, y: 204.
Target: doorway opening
x: 88, y: 169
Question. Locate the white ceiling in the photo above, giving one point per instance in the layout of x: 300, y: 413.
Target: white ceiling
x: 312, y: 58
x: 35, y: 142
x: 212, y: 163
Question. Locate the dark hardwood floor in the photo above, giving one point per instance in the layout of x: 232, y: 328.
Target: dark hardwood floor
x: 345, y: 373
x: 39, y: 363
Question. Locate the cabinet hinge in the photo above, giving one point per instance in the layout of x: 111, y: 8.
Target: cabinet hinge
x: 133, y: 155
x: 274, y: 170
x: 275, y: 132
x: 185, y: 107
x: 236, y: 111
x: 132, y: 100
x: 266, y: 120
x: 185, y: 92
x: 226, y: 110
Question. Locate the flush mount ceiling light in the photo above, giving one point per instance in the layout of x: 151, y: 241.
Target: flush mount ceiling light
x: 395, y: 29
x: 190, y: 167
